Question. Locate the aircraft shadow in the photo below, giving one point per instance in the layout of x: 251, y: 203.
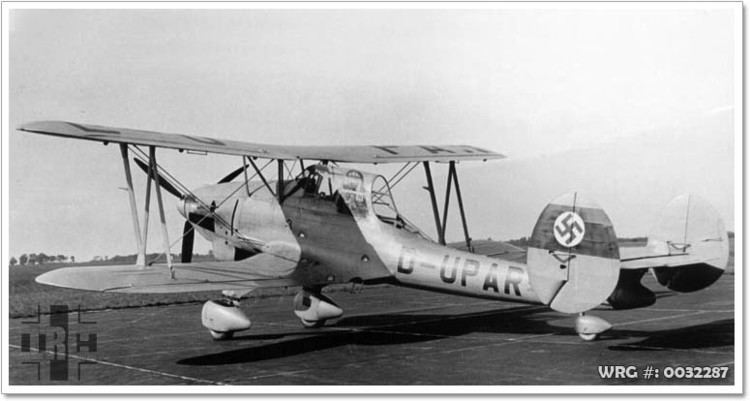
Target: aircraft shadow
x: 719, y: 333
x: 382, y: 330
x: 388, y: 329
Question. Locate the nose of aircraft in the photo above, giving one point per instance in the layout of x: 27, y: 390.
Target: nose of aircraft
x: 181, y: 208
x: 196, y: 202
x: 189, y: 205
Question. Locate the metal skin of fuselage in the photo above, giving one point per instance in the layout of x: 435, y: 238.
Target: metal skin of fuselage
x: 339, y: 238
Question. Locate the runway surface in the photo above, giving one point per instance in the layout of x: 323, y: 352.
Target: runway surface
x: 387, y: 336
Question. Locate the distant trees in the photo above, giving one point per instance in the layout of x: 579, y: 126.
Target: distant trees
x: 39, y: 258
x: 522, y: 242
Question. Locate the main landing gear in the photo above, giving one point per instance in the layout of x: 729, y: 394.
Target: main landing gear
x: 223, y: 318
x: 590, y: 327
x: 313, y: 308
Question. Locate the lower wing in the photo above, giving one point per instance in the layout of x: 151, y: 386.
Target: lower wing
x: 259, y: 271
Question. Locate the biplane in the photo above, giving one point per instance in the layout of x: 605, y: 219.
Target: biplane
x: 330, y: 223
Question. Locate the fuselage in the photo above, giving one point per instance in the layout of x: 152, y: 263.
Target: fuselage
x: 334, y: 218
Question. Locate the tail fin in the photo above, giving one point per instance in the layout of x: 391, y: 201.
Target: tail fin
x: 573, y: 258
x: 691, y: 232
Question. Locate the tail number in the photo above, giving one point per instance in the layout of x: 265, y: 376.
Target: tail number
x: 459, y: 271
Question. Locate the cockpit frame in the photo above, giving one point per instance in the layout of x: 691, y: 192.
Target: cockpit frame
x: 356, y: 189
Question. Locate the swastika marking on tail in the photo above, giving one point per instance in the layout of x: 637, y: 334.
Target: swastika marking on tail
x: 569, y: 229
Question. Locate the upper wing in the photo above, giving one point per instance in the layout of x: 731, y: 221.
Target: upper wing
x: 353, y: 154
x: 262, y: 270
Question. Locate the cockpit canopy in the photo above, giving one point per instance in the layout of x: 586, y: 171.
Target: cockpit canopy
x: 361, y: 194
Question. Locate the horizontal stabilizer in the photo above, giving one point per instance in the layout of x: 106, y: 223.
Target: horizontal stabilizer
x: 259, y: 271
x: 687, y: 250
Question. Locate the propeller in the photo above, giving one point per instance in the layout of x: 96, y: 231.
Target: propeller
x: 207, y: 222
x: 233, y: 174
x: 188, y: 232
x: 188, y: 236
x: 162, y: 181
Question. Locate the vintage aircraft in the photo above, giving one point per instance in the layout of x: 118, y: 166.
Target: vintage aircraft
x: 333, y: 224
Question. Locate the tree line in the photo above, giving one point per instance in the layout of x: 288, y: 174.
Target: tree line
x: 40, y: 258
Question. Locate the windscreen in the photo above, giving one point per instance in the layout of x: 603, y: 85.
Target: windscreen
x: 382, y: 201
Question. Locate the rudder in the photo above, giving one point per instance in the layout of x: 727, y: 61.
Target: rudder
x: 573, y: 257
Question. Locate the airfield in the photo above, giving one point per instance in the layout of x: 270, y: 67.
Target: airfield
x: 387, y: 336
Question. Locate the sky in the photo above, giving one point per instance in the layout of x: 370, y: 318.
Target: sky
x: 630, y: 105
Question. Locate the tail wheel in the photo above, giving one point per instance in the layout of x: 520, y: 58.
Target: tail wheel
x: 589, y: 327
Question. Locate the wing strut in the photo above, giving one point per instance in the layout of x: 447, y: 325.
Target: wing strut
x: 280, y: 182
x: 152, y: 174
x: 461, y: 207
x: 146, y: 209
x: 162, y: 218
x: 259, y: 173
x: 141, y: 258
x: 431, y: 189
x: 441, y: 224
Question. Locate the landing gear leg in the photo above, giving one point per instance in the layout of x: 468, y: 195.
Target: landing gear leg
x: 313, y: 308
